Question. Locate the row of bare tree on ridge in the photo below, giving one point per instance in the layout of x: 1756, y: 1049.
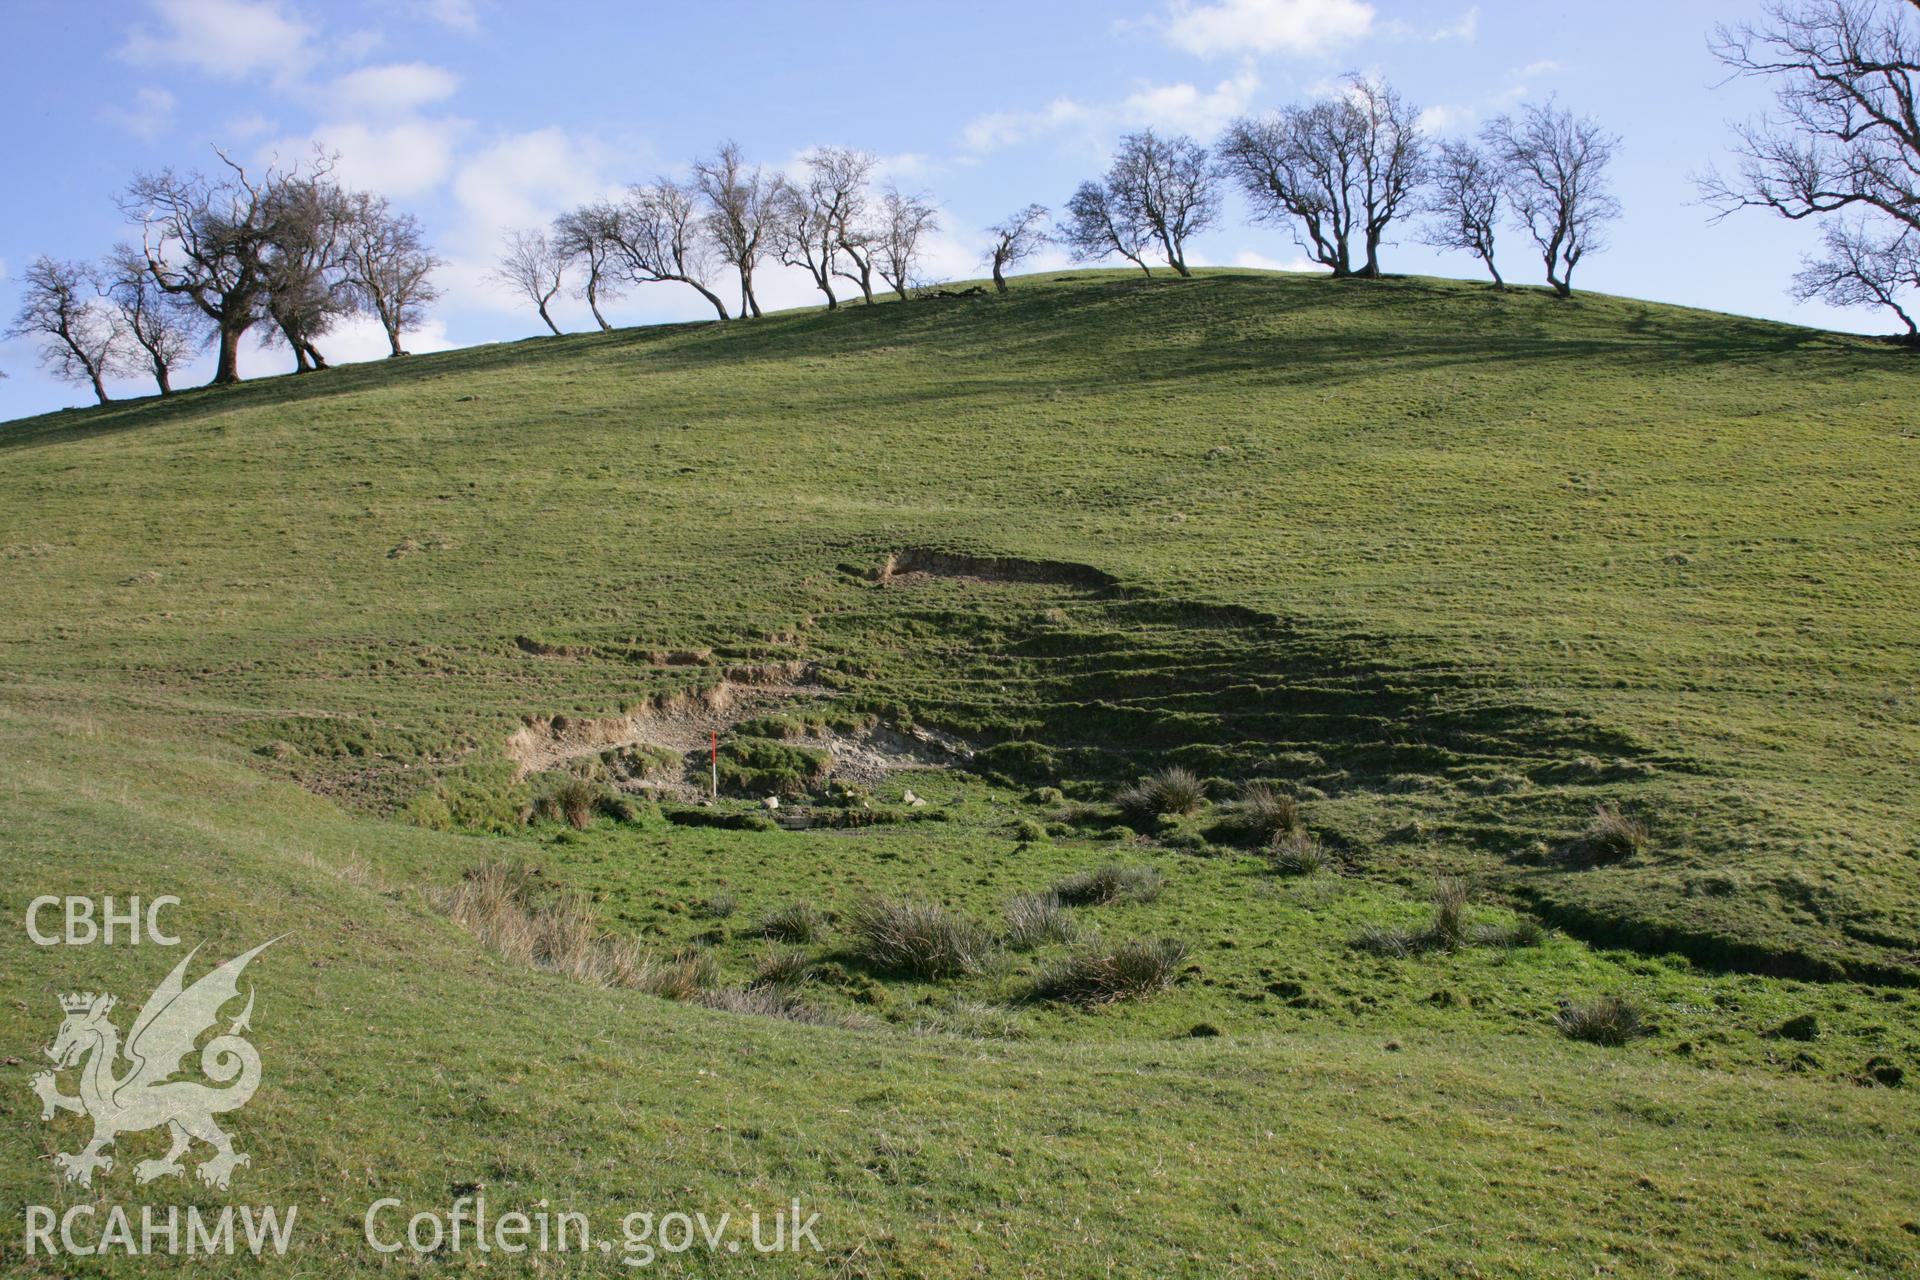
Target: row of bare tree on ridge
x: 290, y: 253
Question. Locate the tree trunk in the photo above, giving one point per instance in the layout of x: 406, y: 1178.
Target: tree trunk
x: 1372, y: 270
x: 593, y: 304
x: 163, y: 378
x: 99, y: 387
x: 393, y: 339
x: 999, y: 281
x: 227, y: 369
x: 549, y: 319
x: 313, y: 354
x: 718, y: 304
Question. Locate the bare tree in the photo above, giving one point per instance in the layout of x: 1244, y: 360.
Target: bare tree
x: 1556, y: 164
x: 1393, y: 158
x: 1017, y: 238
x: 859, y: 241
x: 739, y: 207
x: 838, y: 178
x: 658, y: 238
x: 1295, y: 168
x: 1465, y: 190
x: 82, y: 341
x: 388, y: 266
x: 1099, y: 226
x: 307, y: 289
x: 1158, y: 192
x: 1336, y: 171
x: 819, y: 222
x: 1844, y: 136
x: 208, y: 240
x: 801, y: 235
x: 1863, y: 265
x: 904, y: 222
x: 532, y: 268
x: 160, y: 325
x: 587, y: 238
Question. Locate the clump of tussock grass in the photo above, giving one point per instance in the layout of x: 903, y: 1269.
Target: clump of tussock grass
x: 1523, y: 932
x: 1125, y: 971
x: 1448, y: 930
x: 972, y: 1020
x: 1608, y: 1019
x: 683, y: 977
x: 1296, y: 853
x: 780, y: 966
x: 774, y: 1001
x: 1172, y: 791
x: 1449, y: 927
x: 1036, y: 919
x: 1613, y: 835
x: 1383, y: 940
x: 795, y: 922
x: 1027, y: 831
x: 1265, y: 814
x: 922, y: 939
x: 720, y: 906
x: 1108, y: 884
x: 505, y: 908
x: 573, y: 800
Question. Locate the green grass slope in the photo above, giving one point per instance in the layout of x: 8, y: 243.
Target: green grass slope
x: 1454, y: 565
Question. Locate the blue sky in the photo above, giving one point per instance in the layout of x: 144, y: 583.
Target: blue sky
x: 480, y: 115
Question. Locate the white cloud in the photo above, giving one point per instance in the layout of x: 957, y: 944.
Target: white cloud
x: 232, y: 38
x: 392, y: 89
x: 1466, y: 27
x: 459, y: 15
x: 402, y: 158
x: 519, y: 180
x: 524, y: 179
x: 1188, y: 109
x: 905, y: 168
x: 147, y: 115
x: 1439, y: 119
x: 1261, y: 262
x: 1266, y: 26
x: 1522, y: 79
x: 251, y: 125
x: 361, y: 338
x: 1179, y: 108
x: 1009, y: 128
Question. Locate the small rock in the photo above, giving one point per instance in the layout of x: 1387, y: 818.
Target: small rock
x: 771, y: 802
x: 911, y: 800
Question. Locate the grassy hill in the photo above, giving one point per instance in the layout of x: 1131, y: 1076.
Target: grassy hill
x: 1455, y: 568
